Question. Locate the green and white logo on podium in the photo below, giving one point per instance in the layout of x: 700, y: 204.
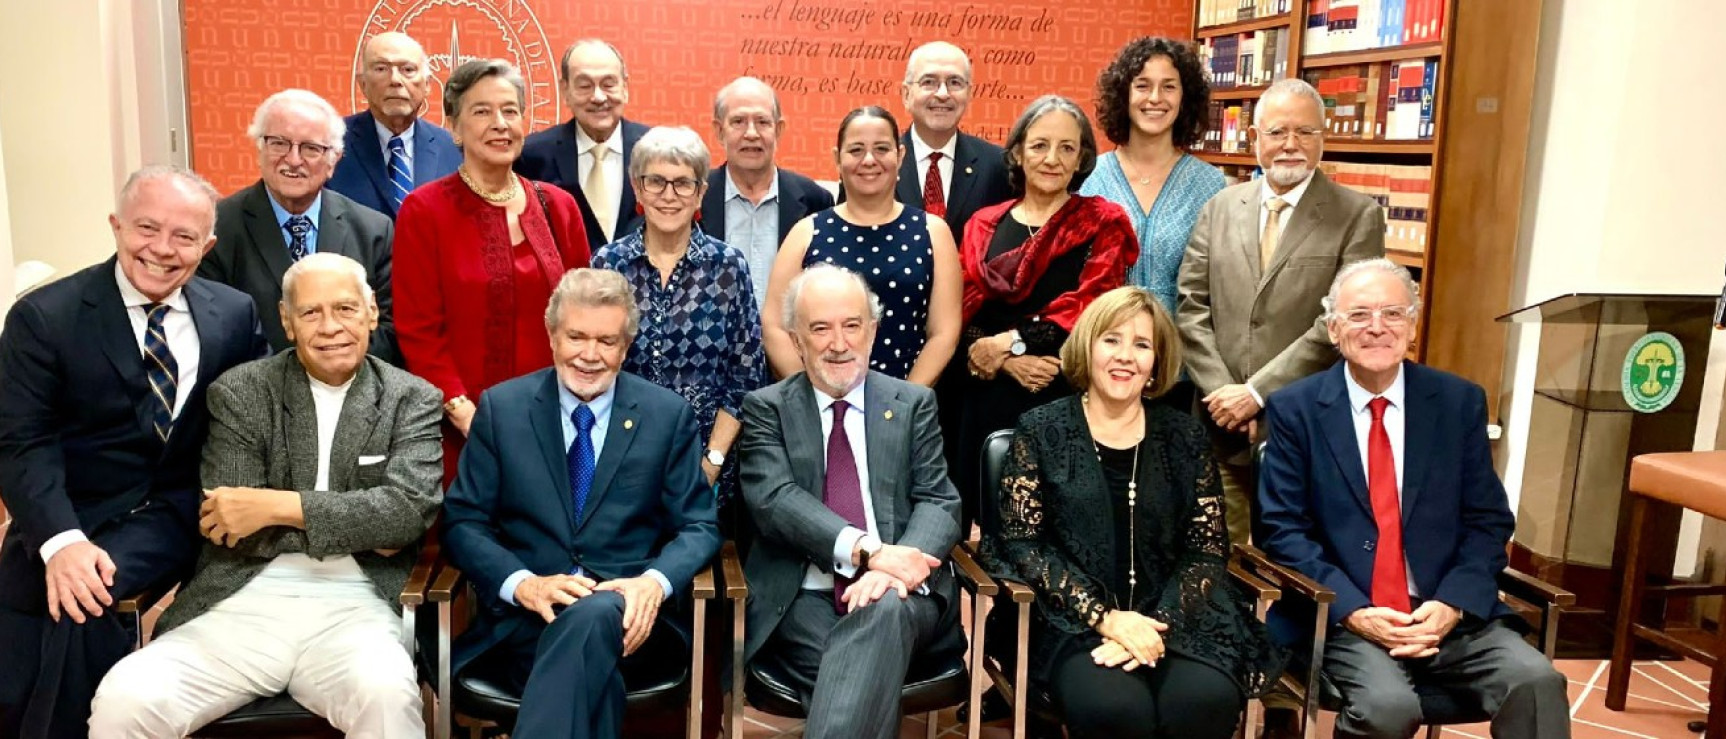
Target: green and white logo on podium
x: 1653, y: 372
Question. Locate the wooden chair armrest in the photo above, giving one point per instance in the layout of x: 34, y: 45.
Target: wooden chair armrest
x: 1264, y: 591
x: 736, y: 588
x: 1017, y: 591
x: 1533, y: 590
x: 1285, y: 578
x: 971, y: 575
x: 413, y: 592
x: 142, y: 602
x: 446, y: 584
x: 702, y: 587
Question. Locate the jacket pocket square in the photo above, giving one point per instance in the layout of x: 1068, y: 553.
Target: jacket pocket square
x: 370, y: 460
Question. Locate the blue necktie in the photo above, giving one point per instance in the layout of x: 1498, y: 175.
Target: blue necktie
x: 298, y: 227
x: 581, y: 459
x: 401, y: 172
x: 160, y: 369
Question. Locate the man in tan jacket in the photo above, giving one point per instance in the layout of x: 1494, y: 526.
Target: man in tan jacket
x: 1260, y: 259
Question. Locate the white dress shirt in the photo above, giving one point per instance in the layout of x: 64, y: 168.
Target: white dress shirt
x: 814, y: 578
x: 921, y: 150
x: 1394, y: 424
x: 384, y: 137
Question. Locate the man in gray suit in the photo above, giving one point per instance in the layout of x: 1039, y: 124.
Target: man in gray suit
x: 846, y: 586
x: 322, y: 472
x: 1260, y: 259
x: 289, y: 214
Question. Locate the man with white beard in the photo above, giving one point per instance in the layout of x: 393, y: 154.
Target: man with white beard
x: 1260, y: 258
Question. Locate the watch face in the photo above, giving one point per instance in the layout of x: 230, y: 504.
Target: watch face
x: 715, y: 458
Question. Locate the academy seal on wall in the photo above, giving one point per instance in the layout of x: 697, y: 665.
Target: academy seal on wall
x: 455, y: 31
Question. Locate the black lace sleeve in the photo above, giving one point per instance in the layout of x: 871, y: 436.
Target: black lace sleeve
x: 1071, y: 601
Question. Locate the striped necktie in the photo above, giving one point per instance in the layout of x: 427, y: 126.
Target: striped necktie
x: 401, y: 172
x: 161, y: 370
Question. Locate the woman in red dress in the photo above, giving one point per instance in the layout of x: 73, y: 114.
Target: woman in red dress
x: 478, y: 252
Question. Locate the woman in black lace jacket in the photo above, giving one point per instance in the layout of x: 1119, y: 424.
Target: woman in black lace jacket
x: 1112, y: 512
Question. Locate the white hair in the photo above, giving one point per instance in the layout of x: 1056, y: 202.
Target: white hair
x: 324, y: 261
x: 1289, y: 86
x: 174, y: 172
x: 334, y: 127
x: 823, y: 271
x: 1378, y: 264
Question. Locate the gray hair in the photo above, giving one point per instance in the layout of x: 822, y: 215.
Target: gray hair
x: 1034, y: 112
x: 1289, y: 86
x: 720, y: 108
x: 470, y: 73
x: 174, y: 172
x: 563, y: 64
x: 823, y: 271
x: 590, y: 287
x: 675, y: 144
x: 922, y: 52
x: 335, y: 129
x: 330, y: 262
x: 1378, y: 264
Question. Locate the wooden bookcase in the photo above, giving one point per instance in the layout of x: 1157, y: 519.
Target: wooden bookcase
x: 1483, y: 101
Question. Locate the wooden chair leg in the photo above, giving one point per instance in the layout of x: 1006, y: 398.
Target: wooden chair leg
x: 1630, y: 598
x: 933, y: 725
x: 1717, y: 697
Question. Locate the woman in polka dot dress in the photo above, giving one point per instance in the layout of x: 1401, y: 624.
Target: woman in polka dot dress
x: 907, y: 258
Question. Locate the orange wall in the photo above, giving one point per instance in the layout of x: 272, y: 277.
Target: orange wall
x: 679, y: 53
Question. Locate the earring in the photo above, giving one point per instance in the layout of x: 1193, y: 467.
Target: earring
x: 640, y: 211
x: 697, y: 214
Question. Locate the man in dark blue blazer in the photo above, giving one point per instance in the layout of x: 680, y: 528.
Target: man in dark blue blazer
x: 580, y: 506
x: 751, y: 202
x: 389, y: 136
x: 1377, y: 482
x: 596, y: 86
x: 102, y: 378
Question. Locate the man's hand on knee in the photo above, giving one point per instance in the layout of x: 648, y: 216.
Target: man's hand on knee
x: 542, y: 595
x: 909, y: 565
x: 1428, y: 626
x: 78, y: 578
x: 641, y: 598
x: 873, y: 586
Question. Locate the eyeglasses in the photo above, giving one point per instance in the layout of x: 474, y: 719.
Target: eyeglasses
x: 583, y: 86
x: 309, y: 151
x: 931, y: 84
x: 1391, y: 315
x: 741, y: 124
x: 683, y: 186
x: 1302, y: 135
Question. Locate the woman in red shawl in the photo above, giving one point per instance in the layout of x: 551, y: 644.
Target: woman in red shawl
x: 1031, y: 266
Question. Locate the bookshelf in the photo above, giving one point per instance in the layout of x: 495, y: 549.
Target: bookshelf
x: 1390, y: 71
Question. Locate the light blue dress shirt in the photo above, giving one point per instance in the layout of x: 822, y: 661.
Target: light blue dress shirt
x: 282, y: 216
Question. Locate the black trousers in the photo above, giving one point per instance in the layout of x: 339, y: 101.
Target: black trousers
x: 1180, y: 698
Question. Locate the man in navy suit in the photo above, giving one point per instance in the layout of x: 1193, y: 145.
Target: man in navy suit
x: 595, y: 475
x: 751, y: 203
x: 596, y: 86
x: 945, y: 171
x: 390, y: 149
x: 102, y: 378
x: 1378, y: 483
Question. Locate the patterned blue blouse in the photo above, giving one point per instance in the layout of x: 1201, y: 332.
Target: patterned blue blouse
x: 700, y: 332
x: 1164, y: 231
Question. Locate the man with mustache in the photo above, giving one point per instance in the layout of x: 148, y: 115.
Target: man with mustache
x: 843, y: 474
x: 1260, y: 257
x: 751, y: 203
x: 588, y: 155
x: 391, y: 150
x: 289, y: 214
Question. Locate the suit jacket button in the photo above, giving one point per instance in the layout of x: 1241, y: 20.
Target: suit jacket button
x: 1367, y: 546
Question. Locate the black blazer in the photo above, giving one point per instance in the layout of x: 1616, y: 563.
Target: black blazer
x: 363, y: 175
x: 799, y: 196
x: 250, y: 256
x: 77, y: 450
x: 979, y: 179
x: 550, y: 156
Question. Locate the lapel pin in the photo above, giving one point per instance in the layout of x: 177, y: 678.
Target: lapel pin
x: 628, y: 423
x: 968, y: 170
x: 889, y: 415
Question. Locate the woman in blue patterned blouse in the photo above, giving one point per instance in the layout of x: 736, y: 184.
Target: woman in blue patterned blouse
x: 700, y: 331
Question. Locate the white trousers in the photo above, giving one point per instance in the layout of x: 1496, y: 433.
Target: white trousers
x: 341, y: 658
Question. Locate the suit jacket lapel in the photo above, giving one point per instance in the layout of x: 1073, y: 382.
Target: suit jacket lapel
x: 885, y: 434
x: 1306, y: 218
x: 626, y: 192
x: 1417, y: 436
x: 713, y: 204
x: 333, y: 230
x: 114, y: 330
x: 369, y: 151
x: 301, y: 418
x: 1247, y: 232
x: 964, y: 164
x: 355, y: 425
x: 568, y: 156
x: 910, y: 189
x: 207, y: 321
x: 619, y: 434
x: 548, y: 431
x: 265, y: 233
x: 1336, y: 419
x: 804, y: 442
x: 428, y: 155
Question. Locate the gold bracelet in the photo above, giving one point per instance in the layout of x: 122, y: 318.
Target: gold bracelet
x: 454, y: 403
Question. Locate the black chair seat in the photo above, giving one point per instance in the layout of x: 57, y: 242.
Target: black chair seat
x: 1437, y: 705
x: 278, y: 715
x: 656, y: 678
x: 930, y: 685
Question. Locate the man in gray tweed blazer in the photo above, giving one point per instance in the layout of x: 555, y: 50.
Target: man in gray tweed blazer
x: 321, y: 473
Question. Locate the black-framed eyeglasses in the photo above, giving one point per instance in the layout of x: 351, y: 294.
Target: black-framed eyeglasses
x: 309, y: 151
x: 655, y: 184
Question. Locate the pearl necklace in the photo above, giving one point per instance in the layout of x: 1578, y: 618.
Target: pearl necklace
x: 1132, y: 513
x: 502, y: 196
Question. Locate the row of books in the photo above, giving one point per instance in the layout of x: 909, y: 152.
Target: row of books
x: 1221, y: 12
x: 1246, y: 59
x: 1351, y: 25
x: 1387, y: 100
x: 1405, y: 193
x: 1227, y: 132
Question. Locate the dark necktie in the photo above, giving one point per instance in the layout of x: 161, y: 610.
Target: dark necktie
x: 401, y: 177
x: 160, y: 369
x: 842, y: 492
x: 298, y: 227
x: 1389, y: 569
x: 934, y: 198
x: 581, y: 460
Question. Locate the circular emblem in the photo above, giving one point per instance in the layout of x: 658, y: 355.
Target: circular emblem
x: 1653, y: 372
x: 455, y: 31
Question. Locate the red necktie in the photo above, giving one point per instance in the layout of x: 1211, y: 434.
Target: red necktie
x: 934, y: 198
x: 842, y: 491
x: 1389, y: 570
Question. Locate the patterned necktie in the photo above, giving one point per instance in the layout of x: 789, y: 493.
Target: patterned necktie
x: 1273, y: 231
x: 581, y: 459
x: 298, y: 227
x: 1389, y: 569
x: 160, y: 369
x: 598, y: 192
x: 842, y: 492
x: 934, y: 198
x: 401, y: 172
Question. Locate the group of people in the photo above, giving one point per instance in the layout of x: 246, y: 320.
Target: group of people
x: 596, y: 355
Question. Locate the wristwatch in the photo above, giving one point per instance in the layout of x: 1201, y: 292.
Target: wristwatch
x: 867, y: 546
x: 454, y: 403
x: 1017, y: 348
x: 715, y: 457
